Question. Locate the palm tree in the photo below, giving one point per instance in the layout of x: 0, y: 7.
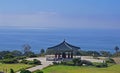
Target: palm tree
x: 116, y: 49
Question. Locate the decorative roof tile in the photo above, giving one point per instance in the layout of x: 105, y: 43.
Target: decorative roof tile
x: 64, y: 46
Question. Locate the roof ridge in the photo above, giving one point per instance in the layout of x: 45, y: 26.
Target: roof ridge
x: 64, y: 43
x: 67, y: 45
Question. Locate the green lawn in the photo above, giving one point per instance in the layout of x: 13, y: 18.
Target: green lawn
x: 76, y: 69
x: 16, y: 67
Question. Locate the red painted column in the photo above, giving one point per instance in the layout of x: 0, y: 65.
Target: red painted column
x: 68, y: 55
x: 71, y: 54
x: 59, y: 55
x: 55, y: 55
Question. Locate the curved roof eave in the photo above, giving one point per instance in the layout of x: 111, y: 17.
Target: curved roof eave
x: 64, y: 45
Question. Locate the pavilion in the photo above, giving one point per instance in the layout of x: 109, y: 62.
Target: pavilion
x: 62, y: 50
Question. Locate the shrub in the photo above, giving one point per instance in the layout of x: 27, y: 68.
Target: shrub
x: 105, y: 54
x: 76, y: 61
x: 25, y: 71
x: 39, y: 71
x: 16, y: 53
x: 3, y: 53
x: 63, y: 62
x: 101, y: 65
x: 24, y: 61
x: 88, y: 63
x: 8, y: 56
x: 117, y: 54
x: 110, y: 60
x: 9, y: 61
x: 20, y: 57
x: 55, y: 63
x: 35, y: 61
x: 12, y: 71
x: 32, y: 55
x: 30, y: 62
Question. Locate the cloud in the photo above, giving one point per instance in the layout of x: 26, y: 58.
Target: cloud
x: 57, y: 20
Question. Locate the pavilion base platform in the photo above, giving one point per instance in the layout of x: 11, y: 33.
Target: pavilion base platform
x: 52, y: 58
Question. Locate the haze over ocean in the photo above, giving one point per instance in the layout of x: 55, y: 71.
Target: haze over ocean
x: 95, y: 40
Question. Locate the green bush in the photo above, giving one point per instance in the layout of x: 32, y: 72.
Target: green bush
x: 55, y: 63
x: 30, y: 62
x: 32, y: 55
x: 117, y: 54
x: 25, y: 71
x: 9, y: 61
x: 12, y: 71
x: 8, y: 56
x: 24, y: 61
x: 110, y: 60
x: 37, y: 62
x: 76, y: 61
x: 88, y: 63
x: 20, y: 57
x: 39, y: 71
x: 63, y: 63
x: 101, y: 65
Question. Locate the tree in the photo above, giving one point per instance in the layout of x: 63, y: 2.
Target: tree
x: 116, y: 49
x: 30, y: 54
x: 16, y: 53
x: 105, y: 53
x: 92, y: 53
x: 26, y: 49
x: 8, y: 56
x: 116, y: 54
x: 42, y: 51
x: 3, y: 53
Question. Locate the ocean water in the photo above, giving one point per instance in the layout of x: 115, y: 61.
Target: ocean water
x: 95, y: 40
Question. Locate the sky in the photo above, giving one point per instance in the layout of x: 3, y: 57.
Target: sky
x: 81, y: 14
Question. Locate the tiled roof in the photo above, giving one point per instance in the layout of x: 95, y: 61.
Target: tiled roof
x: 64, y: 46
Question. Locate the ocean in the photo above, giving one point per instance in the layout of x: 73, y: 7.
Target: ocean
x: 86, y: 39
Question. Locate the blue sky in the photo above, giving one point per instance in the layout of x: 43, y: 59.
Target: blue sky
x: 88, y: 14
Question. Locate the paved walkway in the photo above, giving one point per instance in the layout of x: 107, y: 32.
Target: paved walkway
x: 43, y: 62
x: 91, y: 59
x: 117, y: 60
x: 47, y: 63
